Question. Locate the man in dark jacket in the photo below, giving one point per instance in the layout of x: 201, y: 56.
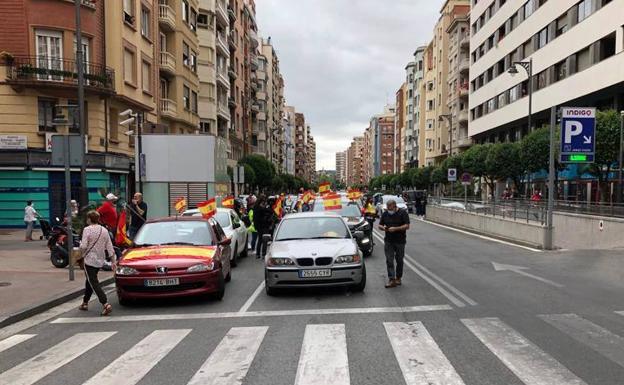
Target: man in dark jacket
x: 395, y: 223
x: 263, y: 221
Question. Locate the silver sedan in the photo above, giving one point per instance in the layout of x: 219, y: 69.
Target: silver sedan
x: 314, y: 249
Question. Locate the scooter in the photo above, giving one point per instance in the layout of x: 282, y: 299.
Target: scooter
x: 58, y: 245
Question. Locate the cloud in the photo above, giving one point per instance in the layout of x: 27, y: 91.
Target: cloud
x: 343, y: 60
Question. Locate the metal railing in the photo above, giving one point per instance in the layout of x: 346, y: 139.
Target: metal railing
x: 45, y: 69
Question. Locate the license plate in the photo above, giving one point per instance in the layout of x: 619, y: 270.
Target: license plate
x: 162, y: 282
x: 317, y: 273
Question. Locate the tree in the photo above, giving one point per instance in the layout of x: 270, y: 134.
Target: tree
x: 250, y: 175
x: 264, y: 171
x: 607, y: 148
x: 535, y: 150
x: 438, y: 175
x: 503, y: 162
x: 474, y: 162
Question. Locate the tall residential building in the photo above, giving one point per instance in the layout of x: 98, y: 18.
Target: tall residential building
x: 577, y: 51
x: 399, y: 126
x: 289, y: 129
x: 223, y: 67
x: 250, y: 48
x: 437, y: 57
x: 368, y: 144
x: 355, y: 158
x: 410, y: 139
x: 207, y: 33
x: 273, y: 100
x: 301, y: 150
x: 234, y: 44
x: 260, y: 106
x: 459, y: 64
x: 341, y: 166
x: 382, y: 128
x: 311, y: 166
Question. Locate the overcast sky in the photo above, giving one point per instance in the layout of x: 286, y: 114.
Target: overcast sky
x: 343, y: 60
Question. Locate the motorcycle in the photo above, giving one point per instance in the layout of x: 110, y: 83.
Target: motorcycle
x: 58, y: 245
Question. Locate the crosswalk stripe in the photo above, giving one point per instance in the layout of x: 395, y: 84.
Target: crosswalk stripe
x: 39, y: 366
x: 598, y: 338
x: 135, y: 363
x: 229, y: 362
x: 323, y: 358
x: 528, y: 362
x: 14, y: 340
x: 420, y: 358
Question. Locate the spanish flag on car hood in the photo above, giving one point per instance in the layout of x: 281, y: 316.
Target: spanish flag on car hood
x: 332, y: 202
x: 207, y: 208
x: 228, y: 202
x: 180, y: 204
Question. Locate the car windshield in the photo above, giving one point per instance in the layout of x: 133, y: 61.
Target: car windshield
x: 312, y: 228
x: 175, y: 232
x: 350, y: 210
x: 394, y: 198
x: 223, y: 217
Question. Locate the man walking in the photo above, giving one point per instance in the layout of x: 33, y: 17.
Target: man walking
x: 30, y: 216
x: 395, y: 223
x: 138, y: 214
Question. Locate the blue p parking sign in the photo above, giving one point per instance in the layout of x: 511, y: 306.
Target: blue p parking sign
x: 578, y: 134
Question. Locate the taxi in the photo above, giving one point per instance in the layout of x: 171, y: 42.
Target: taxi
x: 175, y: 257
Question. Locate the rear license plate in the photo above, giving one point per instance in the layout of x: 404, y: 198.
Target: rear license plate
x: 316, y: 273
x: 162, y: 282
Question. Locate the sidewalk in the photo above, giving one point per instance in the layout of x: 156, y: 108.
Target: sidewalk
x: 29, y: 284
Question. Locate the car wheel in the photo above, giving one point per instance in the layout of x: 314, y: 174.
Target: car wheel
x: 368, y: 252
x: 234, y: 261
x: 124, y: 301
x: 228, y: 277
x: 362, y: 284
x: 245, y: 249
x: 221, y: 291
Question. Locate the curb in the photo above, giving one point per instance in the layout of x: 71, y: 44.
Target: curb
x: 46, y: 305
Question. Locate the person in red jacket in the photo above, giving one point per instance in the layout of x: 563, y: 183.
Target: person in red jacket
x: 108, y: 212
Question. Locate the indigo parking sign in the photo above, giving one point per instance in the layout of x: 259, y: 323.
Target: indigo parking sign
x: 578, y: 134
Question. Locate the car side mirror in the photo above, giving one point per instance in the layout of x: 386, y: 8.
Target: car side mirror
x: 225, y: 242
x: 235, y: 225
x: 267, y: 238
x: 359, y: 235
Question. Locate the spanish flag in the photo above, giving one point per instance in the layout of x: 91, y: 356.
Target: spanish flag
x: 324, y: 188
x: 278, y: 208
x: 307, y: 196
x: 228, y: 202
x: 180, y: 204
x: 354, y: 194
x: 332, y: 201
x: 121, y: 238
x: 208, y: 208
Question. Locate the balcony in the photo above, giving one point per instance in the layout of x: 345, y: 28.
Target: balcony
x: 231, y: 102
x: 168, y: 108
x: 254, y: 84
x: 464, y: 65
x: 233, y: 41
x: 464, y: 40
x: 255, y: 108
x: 222, y: 46
x: 46, y: 72
x: 222, y: 78
x: 222, y: 16
x: 254, y: 63
x: 465, y: 141
x: 222, y: 110
x: 261, y: 75
x: 260, y: 115
x: 261, y: 95
x: 232, y: 73
x: 462, y: 116
x: 168, y: 63
x: 166, y: 17
x: 253, y: 38
x: 231, y: 13
x: 463, y: 89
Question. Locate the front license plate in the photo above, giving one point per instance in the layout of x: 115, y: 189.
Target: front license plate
x: 317, y: 273
x: 162, y: 282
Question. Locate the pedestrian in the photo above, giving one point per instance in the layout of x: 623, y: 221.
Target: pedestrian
x: 30, y: 216
x: 95, y: 247
x: 536, y: 197
x: 395, y: 223
x: 108, y: 213
x: 370, y: 214
x: 418, y: 202
x: 138, y: 214
x: 252, y: 228
x: 263, y: 218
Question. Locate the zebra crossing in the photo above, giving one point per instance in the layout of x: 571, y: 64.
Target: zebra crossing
x: 324, y: 353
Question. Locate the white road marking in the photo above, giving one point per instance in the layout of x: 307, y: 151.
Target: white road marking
x: 408, y: 261
x: 420, y: 358
x: 134, y: 364
x: 520, y: 270
x: 229, y: 362
x: 271, y: 313
x: 251, y: 299
x: 484, y: 237
x: 600, y: 339
x: 34, y: 369
x: 8, y: 343
x: 323, y: 358
x: 527, y: 361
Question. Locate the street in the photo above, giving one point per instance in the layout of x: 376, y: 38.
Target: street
x: 455, y: 320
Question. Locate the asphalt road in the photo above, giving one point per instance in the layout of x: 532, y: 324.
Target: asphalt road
x: 541, y: 318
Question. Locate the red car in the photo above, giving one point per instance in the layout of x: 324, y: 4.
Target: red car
x: 175, y: 257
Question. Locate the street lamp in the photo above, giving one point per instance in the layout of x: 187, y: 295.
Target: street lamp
x: 131, y: 117
x: 528, y: 67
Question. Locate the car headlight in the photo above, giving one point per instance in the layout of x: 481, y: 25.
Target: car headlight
x: 125, y: 270
x: 200, y: 268
x: 280, y: 262
x: 347, y: 259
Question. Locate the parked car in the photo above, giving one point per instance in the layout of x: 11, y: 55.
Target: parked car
x: 382, y: 205
x: 175, y: 257
x: 234, y: 229
x: 313, y: 249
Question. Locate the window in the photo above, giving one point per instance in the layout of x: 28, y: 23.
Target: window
x: 528, y: 9
x: 194, y: 101
x: 583, y: 60
x: 129, y: 61
x: 49, y: 51
x: 185, y: 11
x: 513, y: 94
x: 128, y: 10
x: 194, y: 61
x: 542, y: 38
x: 542, y: 79
x: 146, y: 75
x: 501, y: 100
x: 562, y: 25
x: 72, y: 117
x: 560, y: 70
x: 193, y: 20
x: 113, y: 123
x: 185, y: 54
x: 202, y: 20
x: 146, y: 28
x: 186, y: 97
x: 46, y: 114
x: 491, y: 105
x: 584, y: 10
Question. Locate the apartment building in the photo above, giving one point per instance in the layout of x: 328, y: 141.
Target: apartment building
x: 311, y: 162
x: 383, y: 139
x: 223, y: 69
x: 575, y: 49
x: 341, y: 166
x: 367, y: 153
x: 207, y: 67
x: 458, y: 80
x: 273, y: 101
x: 400, y: 122
x: 260, y: 82
x: 301, y: 150
x: 412, y: 138
x: 289, y: 128
x: 355, y: 158
x: 234, y: 43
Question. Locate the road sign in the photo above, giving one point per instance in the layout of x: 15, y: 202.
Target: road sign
x: 452, y: 175
x: 578, y: 134
x: 466, y: 179
x: 59, y: 150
